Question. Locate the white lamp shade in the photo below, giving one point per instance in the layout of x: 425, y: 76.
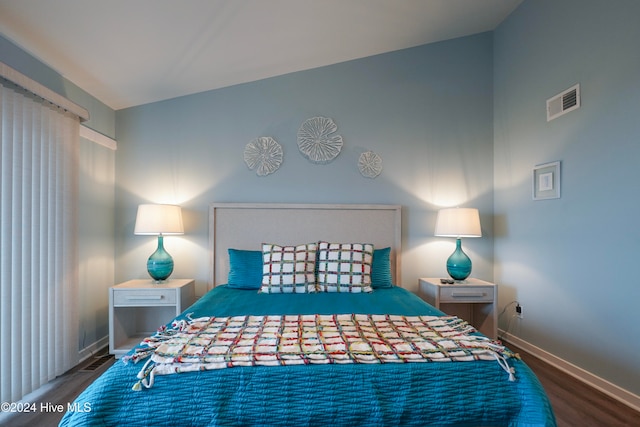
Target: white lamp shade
x: 159, y: 219
x: 458, y: 222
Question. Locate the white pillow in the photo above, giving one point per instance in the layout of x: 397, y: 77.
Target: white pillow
x: 344, y: 267
x: 288, y: 269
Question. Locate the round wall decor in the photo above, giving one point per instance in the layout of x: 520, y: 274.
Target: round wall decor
x: 370, y: 164
x: 316, y: 142
x: 264, y: 155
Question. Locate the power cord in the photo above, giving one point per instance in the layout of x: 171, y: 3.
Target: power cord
x: 518, y: 310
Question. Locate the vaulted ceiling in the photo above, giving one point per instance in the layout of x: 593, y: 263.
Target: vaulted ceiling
x: 132, y: 52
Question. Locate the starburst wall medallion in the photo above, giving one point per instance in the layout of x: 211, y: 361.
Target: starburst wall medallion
x: 316, y: 140
x: 264, y: 155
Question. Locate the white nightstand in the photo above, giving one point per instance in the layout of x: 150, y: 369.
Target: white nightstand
x: 473, y: 300
x: 137, y: 309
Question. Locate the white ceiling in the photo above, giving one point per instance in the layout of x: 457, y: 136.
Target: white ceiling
x: 132, y: 52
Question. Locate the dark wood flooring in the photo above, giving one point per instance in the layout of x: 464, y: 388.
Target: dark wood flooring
x: 574, y: 403
x: 63, y: 391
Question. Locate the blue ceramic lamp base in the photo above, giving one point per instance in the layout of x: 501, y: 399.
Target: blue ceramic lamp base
x: 160, y: 263
x: 459, y: 264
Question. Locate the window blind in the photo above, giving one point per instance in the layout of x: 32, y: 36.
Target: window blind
x: 38, y: 242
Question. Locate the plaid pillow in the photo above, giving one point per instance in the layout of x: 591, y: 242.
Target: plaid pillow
x: 344, y: 267
x: 288, y: 269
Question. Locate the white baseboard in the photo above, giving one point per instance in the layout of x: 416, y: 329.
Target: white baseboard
x: 91, y: 349
x: 624, y: 396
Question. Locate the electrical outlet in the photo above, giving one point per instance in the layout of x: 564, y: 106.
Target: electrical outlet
x: 519, y: 311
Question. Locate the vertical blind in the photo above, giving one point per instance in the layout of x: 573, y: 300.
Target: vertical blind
x: 38, y: 242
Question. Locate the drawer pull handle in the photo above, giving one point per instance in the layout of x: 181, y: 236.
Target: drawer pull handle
x: 139, y: 297
x: 468, y: 294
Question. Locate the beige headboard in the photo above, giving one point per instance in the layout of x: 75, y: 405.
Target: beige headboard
x: 248, y: 225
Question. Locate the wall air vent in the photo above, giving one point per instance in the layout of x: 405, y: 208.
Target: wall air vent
x: 564, y: 102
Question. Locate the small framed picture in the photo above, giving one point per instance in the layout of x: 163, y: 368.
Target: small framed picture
x: 546, y: 181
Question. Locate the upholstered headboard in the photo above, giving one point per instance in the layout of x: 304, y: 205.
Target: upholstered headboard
x: 248, y: 225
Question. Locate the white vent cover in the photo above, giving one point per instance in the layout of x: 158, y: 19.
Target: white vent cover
x: 564, y: 102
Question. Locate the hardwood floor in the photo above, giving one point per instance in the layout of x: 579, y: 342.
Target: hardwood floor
x: 63, y: 390
x: 574, y: 403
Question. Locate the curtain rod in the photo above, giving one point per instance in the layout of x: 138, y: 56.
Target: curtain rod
x: 42, y: 91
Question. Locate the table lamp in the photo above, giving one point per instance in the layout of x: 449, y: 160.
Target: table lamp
x: 458, y: 223
x: 159, y: 220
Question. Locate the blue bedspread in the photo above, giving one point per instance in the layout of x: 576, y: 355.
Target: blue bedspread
x: 412, y: 394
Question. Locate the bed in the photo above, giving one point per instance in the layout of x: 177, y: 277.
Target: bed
x: 339, y: 382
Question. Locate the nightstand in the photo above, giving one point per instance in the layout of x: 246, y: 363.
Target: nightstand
x: 473, y: 300
x: 137, y: 309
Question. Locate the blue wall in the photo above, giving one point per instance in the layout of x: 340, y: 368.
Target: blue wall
x: 427, y: 111
x: 571, y: 262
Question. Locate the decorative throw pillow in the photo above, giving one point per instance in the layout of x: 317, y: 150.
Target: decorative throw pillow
x: 245, y: 269
x: 344, y: 267
x: 288, y: 269
x: 381, y: 269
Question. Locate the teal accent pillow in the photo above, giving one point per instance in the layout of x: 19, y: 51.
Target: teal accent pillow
x: 245, y: 269
x: 381, y: 269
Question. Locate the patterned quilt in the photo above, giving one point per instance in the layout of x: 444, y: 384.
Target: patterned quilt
x: 208, y: 343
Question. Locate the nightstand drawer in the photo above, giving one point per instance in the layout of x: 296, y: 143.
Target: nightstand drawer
x: 463, y: 293
x: 141, y: 297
